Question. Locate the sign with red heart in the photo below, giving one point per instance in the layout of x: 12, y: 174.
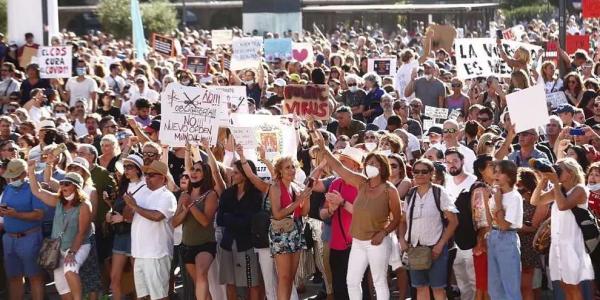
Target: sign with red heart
x: 302, y: 52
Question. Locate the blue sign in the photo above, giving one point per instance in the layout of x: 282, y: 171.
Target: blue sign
x: 278, y: 48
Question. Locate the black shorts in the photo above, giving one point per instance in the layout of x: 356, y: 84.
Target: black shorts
x: 189, y: 252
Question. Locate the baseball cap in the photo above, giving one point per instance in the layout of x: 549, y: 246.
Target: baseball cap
x: 565, y: 108
x: 279, y: 82
x: 435, y: 130
x: 429, y: 63
x: 295, y: 78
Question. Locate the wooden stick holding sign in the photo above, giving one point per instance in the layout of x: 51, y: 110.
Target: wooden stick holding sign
x: 304, y: 100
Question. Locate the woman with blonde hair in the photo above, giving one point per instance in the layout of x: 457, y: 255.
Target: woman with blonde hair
x: 519, y: 61
x: 552, y: 82
x: 573, y: 88
x: 289, y: 203
x: 110, y: 153
x: 568, y: 260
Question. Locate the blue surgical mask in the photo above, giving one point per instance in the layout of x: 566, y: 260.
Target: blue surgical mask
x: 80, y: 71
x: 40, y: 166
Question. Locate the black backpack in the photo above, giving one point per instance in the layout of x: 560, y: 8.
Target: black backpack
x: 437, y: 190
x: 260, y: 225
x: 465, y: 234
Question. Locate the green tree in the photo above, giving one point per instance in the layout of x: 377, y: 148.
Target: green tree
x: 3, y: 16
x: 157, y: 15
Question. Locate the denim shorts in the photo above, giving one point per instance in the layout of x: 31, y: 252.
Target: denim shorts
x: 436, y: 276
x: 20, y: 254
x: 122, y: 244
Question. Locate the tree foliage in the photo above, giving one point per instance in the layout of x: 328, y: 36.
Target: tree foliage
x: 157, y: 15
x: 3, y: 16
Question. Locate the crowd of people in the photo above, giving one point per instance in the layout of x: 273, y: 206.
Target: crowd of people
x: 371, y: 202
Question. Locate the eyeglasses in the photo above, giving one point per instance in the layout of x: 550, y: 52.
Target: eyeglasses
x: 149, y: 154
x: 352, y: 84
x: 450, y: 130
x: 456, y: 85
x: 10, y: 110
x: 394, y: 166
x: 421, y: 171
x: 129, y: 167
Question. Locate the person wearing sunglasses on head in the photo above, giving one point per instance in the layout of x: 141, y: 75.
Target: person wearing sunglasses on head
x: 8, y: 83
x: 450, y: 136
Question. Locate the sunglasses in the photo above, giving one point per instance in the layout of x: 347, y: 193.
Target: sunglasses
x: 129, y: 167
x: 352, y: 84
x: 421, y: 171
x: 456, y: 85
x: 149, y: 154
x: 450, y: 130
x: 11, y: 110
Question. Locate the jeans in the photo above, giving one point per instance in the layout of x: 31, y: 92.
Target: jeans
x: 338, y: 261
x: 363, y: 255
x: 504, y: 265
x: 464, y: 271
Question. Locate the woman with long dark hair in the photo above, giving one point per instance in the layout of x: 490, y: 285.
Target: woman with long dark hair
x: 196, y: 211
x: 239, y: 267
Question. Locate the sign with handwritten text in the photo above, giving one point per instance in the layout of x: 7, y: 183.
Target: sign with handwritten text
x: 304, y: 100
x: 55, y: 62
x: 246, y: 52
x: 190, y: 114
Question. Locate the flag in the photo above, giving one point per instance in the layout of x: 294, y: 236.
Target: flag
x: 139, y: 41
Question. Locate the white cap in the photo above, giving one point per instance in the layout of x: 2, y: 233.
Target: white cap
x: 354, y: 154
x: 279, y: 82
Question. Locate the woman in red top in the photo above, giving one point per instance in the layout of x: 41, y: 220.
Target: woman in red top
x: 288, y: 204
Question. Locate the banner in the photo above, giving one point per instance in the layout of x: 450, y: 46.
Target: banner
x: 382, y: 66
x: 198, y: 65
x: 278, y: 48
x: 55, y: 62
x: 480, y: 58
x: 190, y: 114
x: 514, y: 33
x: 246, y: 53
x: 303, y: 100
x: 520, y: 105
x: 302, y: 52
x: 576, y: 42
x: 163, y: 45
x: 556, y: 99
x: 551, y: 52
x: 590, y: 8
x: 234, y: 96
x: 221, y: 37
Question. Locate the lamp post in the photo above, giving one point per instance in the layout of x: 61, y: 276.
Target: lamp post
x: 183, y: 14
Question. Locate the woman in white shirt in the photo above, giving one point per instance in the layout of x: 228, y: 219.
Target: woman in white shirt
x: 569, y: 261
x: 505, y: 208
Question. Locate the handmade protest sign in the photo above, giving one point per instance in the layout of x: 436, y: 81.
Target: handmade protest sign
x: 190, y: 114
x: 454, y: 114
x: 234, y: 96
x: 556, y: 99
x: 383, y: 66
x: 590, y: 8
x: 522, y: 103
x: 55, y: 62
x: 304, y: 100
x: 443, y: 37
x: 198, y: 65
x: 302, y: 52
x: 480, y: 57
x: 221, y: 37
x: 245, y: 136
x: 551, y: 52
x: 246, y: 52
x: 163, y: 45
x: 436, y: 112
x: 278, y: 48
x: 576, y: 42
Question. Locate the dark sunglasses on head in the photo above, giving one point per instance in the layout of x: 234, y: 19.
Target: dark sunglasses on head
x: 150, y: 154
x: 450, y: 130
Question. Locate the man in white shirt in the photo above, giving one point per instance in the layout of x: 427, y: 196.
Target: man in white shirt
x: 450, y: 134
x: 387, y: 103
x: 460, y: 182
x: 82, y: 86
x: 114, y: 80
x: 151, y: 232
x: 137, y: 91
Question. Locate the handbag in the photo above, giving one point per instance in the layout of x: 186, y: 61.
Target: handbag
x: 419, y: 257
x: 259, y: 226
x: 49, y: 255
x: 286, y: 224
x: 541, y: 239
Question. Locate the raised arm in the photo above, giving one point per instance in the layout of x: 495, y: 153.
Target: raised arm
x: 563, y: 202
x: 505, y: 148
x: 182, y: 210
x: 254, y: 179
x: 220, y: 184
x: 45, y: 196
x: 426, y: 46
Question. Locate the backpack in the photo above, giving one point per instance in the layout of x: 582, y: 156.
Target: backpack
x: 465, y: 234
x: 437, y: 191
x: 588, y: 223
x: 259, y: 226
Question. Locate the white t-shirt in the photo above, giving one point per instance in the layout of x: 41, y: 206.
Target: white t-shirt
x: 36, y: 114
x: 455, y: 189
x: 80, y: 128
x: 413, y: 145
x: 116, y: 83
x: 381, y: 121
x: 403, y: 77
x: 512, y: 204
x: 84, y: 89
x: 150, y: 239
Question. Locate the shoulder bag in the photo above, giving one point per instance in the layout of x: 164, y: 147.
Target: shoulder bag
x: 49, y: 255
x: 419, y: 257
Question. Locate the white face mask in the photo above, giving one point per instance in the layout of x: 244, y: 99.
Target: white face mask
x: 386, y: 152
x: 428, y: 77
x: 370, y: 146
x: 594, y: 187
x: 17, y: 183
x: 353, y: 89
x: 70, y: 197
x: 371, y: 171
x: 185, y: 82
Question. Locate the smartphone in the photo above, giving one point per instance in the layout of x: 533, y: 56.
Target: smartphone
x: 499, y: 34
x: 311, y: 182
x: 59, y: 149
x: 576, y: 132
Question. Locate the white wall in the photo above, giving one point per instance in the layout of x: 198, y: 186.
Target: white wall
x: 26, y: 16
x: 272, y: 22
